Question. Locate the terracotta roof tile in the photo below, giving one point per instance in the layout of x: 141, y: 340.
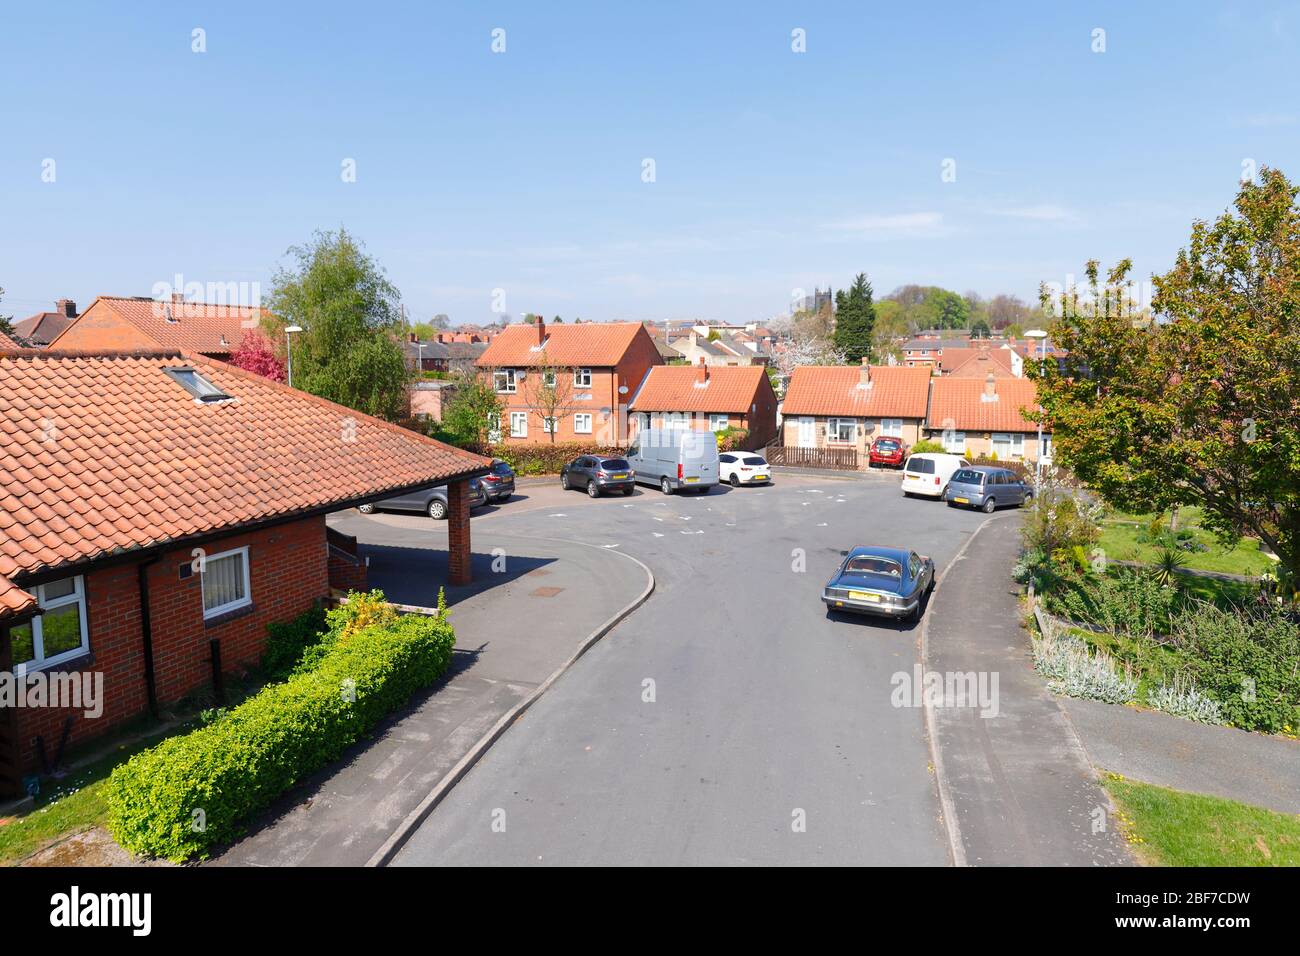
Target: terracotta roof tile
x: 675, y: 388
x: 102, y: 453
x: 896, y: 391
x: 960, y: 400
x: 7, y: 343
x: 975, y: 361
x: 190, y: 326
x: 593, y: 344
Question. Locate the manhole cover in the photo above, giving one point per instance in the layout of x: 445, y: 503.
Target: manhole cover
x: 545, y: 592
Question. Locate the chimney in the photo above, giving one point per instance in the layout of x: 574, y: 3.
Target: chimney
x: 413, y: 338
x: 541, y: 331
x: 178, y: 297
x: 990, y: 389
x: 66, y: 307
x: 864, y: 373
x: 702, y: 373
x: 695, y: 338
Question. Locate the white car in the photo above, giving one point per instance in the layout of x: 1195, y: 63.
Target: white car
x: 743, y: 468
x: 928, y: 473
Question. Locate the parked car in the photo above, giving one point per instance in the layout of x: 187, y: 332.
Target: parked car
x: 743, y: 468
x: 499, y: 483
x: 596, y: 475
x: 675, y: 458
x: 887, y: 451
x: 432, y: 501
x: 928, y: 473
x: 986, y: 488
x: 885, y: 581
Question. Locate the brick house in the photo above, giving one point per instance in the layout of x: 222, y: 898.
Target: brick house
x: 707, y: 397
x: 139, y: 322
x: 44, y: 327
x: 986, y: 417
x: 159, y: 510
x: 839, y: 406
x: 598, y: 366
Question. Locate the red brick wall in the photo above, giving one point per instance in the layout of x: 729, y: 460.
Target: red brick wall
x: 288, y: 571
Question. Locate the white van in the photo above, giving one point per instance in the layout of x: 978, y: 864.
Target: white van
x: 928, y: 473
x: 675, y: 459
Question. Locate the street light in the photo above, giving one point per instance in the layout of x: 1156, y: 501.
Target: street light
x: 1042, y: 357
x: 288, y: 347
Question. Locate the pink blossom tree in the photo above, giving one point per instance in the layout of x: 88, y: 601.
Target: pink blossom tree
x: 256, y: 354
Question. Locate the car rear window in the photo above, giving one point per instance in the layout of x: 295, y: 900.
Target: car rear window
x: 890, y: 443
x: 966, y: 476
x: 615, y: 464
x: 870, y: 564
x: 755, y: 460
x: 501, y: 468
x: 923, y: 466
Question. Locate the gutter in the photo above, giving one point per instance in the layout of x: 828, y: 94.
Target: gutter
x: 146, y: 633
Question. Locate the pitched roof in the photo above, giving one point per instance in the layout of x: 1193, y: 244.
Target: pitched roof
x: 7, y: 343
x: 588, y: 344
x: 958, y: 403
x: 191, y: 326
x: 976, y: 361
x: 43, y: 327
x: 105, y: 453
x: 896, y: 391
x: 676, y: 388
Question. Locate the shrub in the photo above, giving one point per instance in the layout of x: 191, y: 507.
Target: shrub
x: 288, y: 641
x: 1129, y: 603
x: 1181, y: 698
x: 1059, y: 521
x: 927, y: 446
x: 547, y: 459
x: 179, y: 799
x: 1071, y: 669
x: 732, y: 438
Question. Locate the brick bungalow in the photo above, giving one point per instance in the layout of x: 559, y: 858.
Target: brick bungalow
x: 846, y: 406
x: 707, y: 397
x: 44, y: 327
x: 160, y: 509
x: 598, y: 366
x: 139, y: 322
x: 980, y: 418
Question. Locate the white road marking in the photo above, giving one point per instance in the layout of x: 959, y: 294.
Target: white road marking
x: 561, y: 515
x: 656, y: 534
x: 615, y: 545
x: 692, y: 532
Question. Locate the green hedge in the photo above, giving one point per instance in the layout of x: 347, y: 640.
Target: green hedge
x: 288, y: 640
x: 193, y: 792
x: 547, y: 459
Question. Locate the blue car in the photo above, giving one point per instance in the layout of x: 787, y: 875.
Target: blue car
x: 890, y: 582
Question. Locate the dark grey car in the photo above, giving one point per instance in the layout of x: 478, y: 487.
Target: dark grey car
x: 986, y: 488
x: 595, y: 474
x: 432, y: 501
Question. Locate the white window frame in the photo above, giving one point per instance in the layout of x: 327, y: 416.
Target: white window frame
x: 582, y: 422
x: 891, y: 428
x: 1014, y: 441
x: 954, y: 443
x: 518, y: 424
x: 548, y: 378
x: 78, y: 596
x: 807, y: 432
x: 226, y: 608
x: 1045, y: 448
x: 494, y: 428
x: 550, y: 424
x: 582, y: 377
x: 833, y: 427
x: 511, y: 383
x: 718, y: 422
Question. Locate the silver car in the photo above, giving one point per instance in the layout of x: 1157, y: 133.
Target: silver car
x: 986, y: 488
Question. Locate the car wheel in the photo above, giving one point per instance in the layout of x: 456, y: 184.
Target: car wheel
x: 989, y: 505
x: 627, y: 492
x: 735, y: 480
x: 366, y: 509
x: 664, y: 486
x: 1029, y: 499
x: 564, y: 480
x: 437, y: 509
x: 593, y: 490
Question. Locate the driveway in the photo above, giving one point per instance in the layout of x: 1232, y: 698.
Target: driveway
x: 729, y: 720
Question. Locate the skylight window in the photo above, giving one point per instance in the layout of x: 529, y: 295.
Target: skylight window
x: 198, y: 386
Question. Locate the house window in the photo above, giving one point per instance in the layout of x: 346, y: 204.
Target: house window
x: 891, y: 427
x: 550, y: 424
x: 1009, y: 445
x: 582, y: 377
x: 505, y: 380
x: 1045, y: 447
x: 494, y: 428
x: 518, y: 424
x: 548, y: 378
x: 842, y: 429
x: 582, y: 423
x: 676, y: 420
x: 225, y: 582
x: 198, y: 386
x: 954, y: 443
x: 717, y: 423
x: 59, y: 632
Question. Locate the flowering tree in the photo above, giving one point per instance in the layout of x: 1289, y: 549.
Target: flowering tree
x: 255, y: 354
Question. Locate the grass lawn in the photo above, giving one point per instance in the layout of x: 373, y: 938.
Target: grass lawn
x: 1172, y: 828
x: 1119, y: 539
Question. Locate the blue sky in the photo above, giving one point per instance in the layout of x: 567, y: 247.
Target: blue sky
x: 522, y: 170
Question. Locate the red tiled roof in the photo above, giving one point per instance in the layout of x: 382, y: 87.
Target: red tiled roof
x: 105, y: 453
x: 674, y: 388
x: 959, y: 401
x: 7, y: 343
x: 43, y: 327
x: 13, y: 599
x: 975, y: 361
x: 190, y: 326
x: 896, y: 391
x: 589, y: 344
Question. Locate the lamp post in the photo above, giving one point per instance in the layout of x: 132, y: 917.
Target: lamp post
x: 1041, y: 336
x: 288, y: 347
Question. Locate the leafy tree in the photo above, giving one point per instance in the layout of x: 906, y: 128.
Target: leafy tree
x: 855, y: 316
x: 980, y: 329
x: 472, y: 415
x: 349, y: 351
x: 440, y: 322
x: 256, y: 354
x: 549, y: 393
x: 6, y: 325
x: 1202, y: 408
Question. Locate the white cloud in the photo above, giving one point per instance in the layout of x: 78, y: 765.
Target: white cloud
x: 1043, y: 212
x: 904, y: 225
x: 1271, y: 119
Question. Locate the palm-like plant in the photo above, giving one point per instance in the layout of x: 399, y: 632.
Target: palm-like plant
x: 1167, y: 566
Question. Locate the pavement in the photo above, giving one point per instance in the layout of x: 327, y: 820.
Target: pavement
x: 532, y: 606
x: 1016, y: 785
x: 1181, y: 754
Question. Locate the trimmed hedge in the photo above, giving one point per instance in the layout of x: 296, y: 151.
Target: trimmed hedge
x: 547, y: 459
x: 193, y: 792
x: 288, y: 640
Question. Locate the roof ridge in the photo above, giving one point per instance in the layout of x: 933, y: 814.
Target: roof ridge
x: 140, y: 352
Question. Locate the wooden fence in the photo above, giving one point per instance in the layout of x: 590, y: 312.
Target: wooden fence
x: 842, y: 458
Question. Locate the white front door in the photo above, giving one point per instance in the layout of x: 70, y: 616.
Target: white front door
x: 807, y: 432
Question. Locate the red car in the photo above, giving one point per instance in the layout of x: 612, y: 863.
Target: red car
x: 887, y: 451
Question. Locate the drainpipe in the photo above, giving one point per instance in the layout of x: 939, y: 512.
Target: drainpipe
x: 146, y: 630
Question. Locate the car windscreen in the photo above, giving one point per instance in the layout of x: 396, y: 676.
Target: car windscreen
x: 754, y: 460
x: 615, y: 464
x: 870, y: 564
x: 922, y: 466
x: 968, y: 476
x: 501, y: 468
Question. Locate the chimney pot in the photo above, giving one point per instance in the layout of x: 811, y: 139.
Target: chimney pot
x: 990, y: 388
x: 702, y: 373
x: 864, y: 373
x: 66, y: 307
x: 178, y: 297
x: 413, y: 337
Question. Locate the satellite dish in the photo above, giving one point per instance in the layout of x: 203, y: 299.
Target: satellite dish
x: 622, y: 389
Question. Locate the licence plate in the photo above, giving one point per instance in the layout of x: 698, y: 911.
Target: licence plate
x: 759, y: 478
x: 691, y: 479
x: 864, y: 596
x: 962, y: 501
x: 618, y: 477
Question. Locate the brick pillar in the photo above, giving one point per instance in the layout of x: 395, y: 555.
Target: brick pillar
x: 458, y: 549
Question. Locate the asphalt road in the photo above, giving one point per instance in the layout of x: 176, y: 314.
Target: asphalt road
x: 771, y: 737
